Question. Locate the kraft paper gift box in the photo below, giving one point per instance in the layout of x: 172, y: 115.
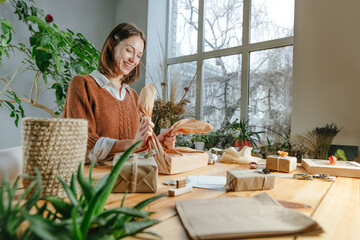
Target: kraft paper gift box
x: 281, y: 164
x: 185, y: 161
x: 138, y: 174
x: 179, y: 159
x: 340, y: 169
x: 240, y: 180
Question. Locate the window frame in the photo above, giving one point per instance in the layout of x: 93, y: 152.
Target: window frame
x: 245, y: 49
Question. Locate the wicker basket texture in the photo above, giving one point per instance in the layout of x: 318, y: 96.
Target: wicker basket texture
x: 55, y: 146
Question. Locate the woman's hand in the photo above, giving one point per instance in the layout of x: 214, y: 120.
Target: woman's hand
x: 167, y: 138
x: 144, y: 131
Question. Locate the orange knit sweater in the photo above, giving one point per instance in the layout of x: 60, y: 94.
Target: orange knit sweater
x: 107, y: 116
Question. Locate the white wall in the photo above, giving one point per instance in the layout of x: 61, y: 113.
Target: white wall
x: 93, y: 18
x: 156, y: 35
x: 326, y: 81
x: 135, y: 12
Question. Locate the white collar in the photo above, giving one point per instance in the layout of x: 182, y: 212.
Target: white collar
x: 105, y: 83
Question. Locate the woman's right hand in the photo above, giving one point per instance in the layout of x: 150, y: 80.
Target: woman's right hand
x: 144, y: 131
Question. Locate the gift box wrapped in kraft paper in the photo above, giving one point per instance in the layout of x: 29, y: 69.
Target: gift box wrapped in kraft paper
x: 138, y: 174
x: 281, y: 164
x: 248, y: 180
x: 179, y: 159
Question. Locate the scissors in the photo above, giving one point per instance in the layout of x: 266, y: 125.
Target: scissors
x: 323, y: 176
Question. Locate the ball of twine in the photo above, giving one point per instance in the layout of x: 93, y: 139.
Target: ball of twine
x: 55, y: 146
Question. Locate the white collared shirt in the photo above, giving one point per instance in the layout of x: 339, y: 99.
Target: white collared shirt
x: 104, y: 145
x: 105, y: 83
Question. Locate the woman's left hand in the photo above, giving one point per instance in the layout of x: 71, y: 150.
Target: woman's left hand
x: 167, y: 138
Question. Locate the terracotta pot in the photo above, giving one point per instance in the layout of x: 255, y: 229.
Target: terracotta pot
x: 241, y: 143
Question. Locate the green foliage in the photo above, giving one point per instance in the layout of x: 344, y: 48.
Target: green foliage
x: 80, y: 217
x: 212, y: 138
x: 15, y: 112
x: 183, y: 140
x: 197, y: 137
x: 340, y: 154
x: 272, y: 147
x: 12, y: 210
x: 237, y: 130
x: 55, y: 55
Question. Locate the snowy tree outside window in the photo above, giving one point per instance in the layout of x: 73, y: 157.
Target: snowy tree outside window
x: 244, y: 49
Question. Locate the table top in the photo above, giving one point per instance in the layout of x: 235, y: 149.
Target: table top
x: 334, y: 205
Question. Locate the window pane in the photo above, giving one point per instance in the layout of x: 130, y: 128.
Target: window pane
x: 221, y: 89
x: 183, y: 28
x: 270, y: 89
x: 181, y: 76
x: 271, y: 19
x: 223, y: 24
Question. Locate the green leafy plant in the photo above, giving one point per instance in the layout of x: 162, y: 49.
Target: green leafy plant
x: 50, y: 54
x: 197, y: 137
x: 80, y: 216
x: 14, y: 212
x: 212, y: 139
x: 237, y: 133
x: 183, y: 140
x: 272, y: 147
x: 340, y: 154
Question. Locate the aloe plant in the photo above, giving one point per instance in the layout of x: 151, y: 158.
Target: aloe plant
x: 12, y: 210
x: 80, y: 216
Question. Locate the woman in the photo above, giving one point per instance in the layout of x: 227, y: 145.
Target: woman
x: 105, y: 99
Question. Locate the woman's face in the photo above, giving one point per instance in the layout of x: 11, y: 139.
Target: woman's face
x: 128, y: 53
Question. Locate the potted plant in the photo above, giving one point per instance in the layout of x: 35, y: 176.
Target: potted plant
x: 52, y: 56
x: 237, y: 134
x: 245, y: 137
x: 183, y: 140
x: 82, y: 216
x: 199, y: 141
x: 316, y: 143
x: 212, y: 139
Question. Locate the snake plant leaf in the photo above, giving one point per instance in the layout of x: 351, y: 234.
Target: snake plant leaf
x: 69, y: 193
x: 98, y: 202
x: 2, y: 196
x: 146, y: 202
x: 6, y: 186
x: 60, y: 205
x: 36, y: 194
x: 154, y: 234
x: 92, y: 164
x: 86, y: 187
x: 125, y: 210
x: 101, y: 182
x: 123, y: 199
x: 73, y: 184
x: 44, y: 229
x: 132, y: 228
x: 76, y: 226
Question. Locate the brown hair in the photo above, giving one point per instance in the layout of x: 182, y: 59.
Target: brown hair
x: 107, y: 63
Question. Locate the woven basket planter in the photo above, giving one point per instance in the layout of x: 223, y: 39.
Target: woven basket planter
x: 55, y: 146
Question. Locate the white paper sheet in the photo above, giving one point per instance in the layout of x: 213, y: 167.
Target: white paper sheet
x: 209, y: 182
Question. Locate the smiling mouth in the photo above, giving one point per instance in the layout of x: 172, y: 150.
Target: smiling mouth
x: 128, y: 66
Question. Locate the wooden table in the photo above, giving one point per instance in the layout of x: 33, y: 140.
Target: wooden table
x: 335, y: 205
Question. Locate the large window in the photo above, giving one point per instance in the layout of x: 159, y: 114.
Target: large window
x: 241, y: 54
